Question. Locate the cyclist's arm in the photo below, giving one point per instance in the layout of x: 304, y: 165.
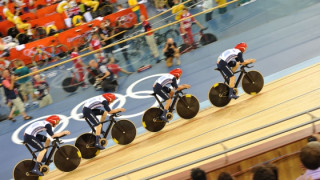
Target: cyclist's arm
x: 53, y: 135
x: 183, y: 86
x: 198, y: 24
x: 107, y: 108
x: 248, y: 61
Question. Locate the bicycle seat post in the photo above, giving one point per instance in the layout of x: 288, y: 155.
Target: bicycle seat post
x: 158, y: 100
x: 91, y: 126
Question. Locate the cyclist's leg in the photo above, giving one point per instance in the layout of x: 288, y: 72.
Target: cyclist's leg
x: 91, y: 116
x: 225, y: 68
x: 36, y: 143
x: 163, y: 93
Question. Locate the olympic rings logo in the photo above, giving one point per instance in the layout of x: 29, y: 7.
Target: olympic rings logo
x: 32, y: 51
x: 76, y: 112
x: 126, y: 19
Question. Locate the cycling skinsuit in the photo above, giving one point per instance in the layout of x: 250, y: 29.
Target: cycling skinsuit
x: 160, y: 86
x: 32, y: 136
x: 226, y: 61
x: 91, y: 108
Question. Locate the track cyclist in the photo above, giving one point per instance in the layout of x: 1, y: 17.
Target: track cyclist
x: 34, y: 139
x: 229, y: 61
x: 160, y: 87
x: 99, y: 105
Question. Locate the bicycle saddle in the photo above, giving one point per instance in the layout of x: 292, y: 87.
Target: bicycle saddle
x: 217, y: 69
x: 153, y: 94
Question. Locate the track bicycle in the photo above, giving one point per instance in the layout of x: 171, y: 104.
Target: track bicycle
x: 187, y: 107
x: 71, y: 84
x: 204, y: 39
x: 66, y: 158
x: 55, y: 51
x: 252, y: 83
x: 123, y: 132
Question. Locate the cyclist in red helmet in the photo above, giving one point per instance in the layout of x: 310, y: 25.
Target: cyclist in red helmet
x: 99, y: 105
x: 160, y: 87
x: 34, y: 139
x: 229, y: 61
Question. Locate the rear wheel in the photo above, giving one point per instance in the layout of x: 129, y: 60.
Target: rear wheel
x: 151, y: 119
x: 23, y: 170
x: 85, y: 143
x: 70, y: 84
x: 218, y: 95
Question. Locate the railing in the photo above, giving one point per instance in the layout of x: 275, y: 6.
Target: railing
x: 307, y: 112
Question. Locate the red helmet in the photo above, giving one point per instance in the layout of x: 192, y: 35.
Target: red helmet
x: 241, y: 46
x: 54, y: 119
x: 176, y: 72
x: 109, y: 96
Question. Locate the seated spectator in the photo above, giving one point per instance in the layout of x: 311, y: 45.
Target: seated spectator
x: 309, y: 157
x: 7, y: 13
x: 120, y: 8
x: 30, y: 6
x: 90, y: 3
x: 79, y: 66
x: 42, y: 91
x: 105, y: 79
x: 185, y: 26
x: 12, y: 95
x: 21, y: 25
x: 25, y: 83
x: 63, y: 6
x: 265, y: 172
x: 225, y: 176
x: 198, y: 174
x: 171, y: 51
x: 115, y: 68
x: 51, y: 30
x: 105, y: 32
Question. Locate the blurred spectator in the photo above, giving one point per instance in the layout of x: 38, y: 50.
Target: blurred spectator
x: 105, y: 79
x: 105, y: 32
x: 133, y: 4
x: 42, y: 91
x: 25, y: 83
x: 225, y: 176
x: 198, y: 174
x: 12, y: 95
x: 79, y: 66
x: 117, y: 29
x: 208, y: 4
x: 30, y: 6
x: 63, y: 6
x: 222, y: 9
x: 150, y: 38
x: 91, y: 3
x: 171, y: 51
x: 20, y: 25
x: 159, y: 4
x: 42, y: 76
x: 120, y: 8
x: 265, y: 172
x: 185, y: 26
x: 7, y: 13
x: 95, y: 43
x: 115, y: 68
x: 309, y: 157
x: 177, y: 9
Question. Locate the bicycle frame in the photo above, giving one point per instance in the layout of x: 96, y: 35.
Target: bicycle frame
x: 176, y: 96
x: 111, y: 120
x: 242, y: 72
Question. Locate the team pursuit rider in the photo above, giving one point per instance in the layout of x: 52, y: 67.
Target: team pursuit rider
x: 229, y: 61
x: 160, y: 87
x: 34, y: 139
x: 99, y: 105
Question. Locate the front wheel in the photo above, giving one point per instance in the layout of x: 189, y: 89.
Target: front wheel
x: 151, y: 119
x: 60, y: 51
x: 40, y: 59
x: 252, y: 82
x: 70, y: 84
x: 123, y: 132
x: 85, y: 143
x: 188, y: 106
x: 67, y: 158
x: 218, y: 95
x: 23, y: 170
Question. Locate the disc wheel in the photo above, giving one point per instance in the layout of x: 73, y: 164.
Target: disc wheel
x: 85, y: 143
x: 188, y: 106
x: 252, y: 82
x: 151, y: 119
x: 22, y: 170
x: 70, y: 84
x: 184, y: 48
x: 218, y: 95
x: 67, y: 158
x: 207, y: 39
x: 123, y: 132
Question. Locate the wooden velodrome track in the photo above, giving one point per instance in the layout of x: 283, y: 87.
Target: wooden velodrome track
x: 287, y: 96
